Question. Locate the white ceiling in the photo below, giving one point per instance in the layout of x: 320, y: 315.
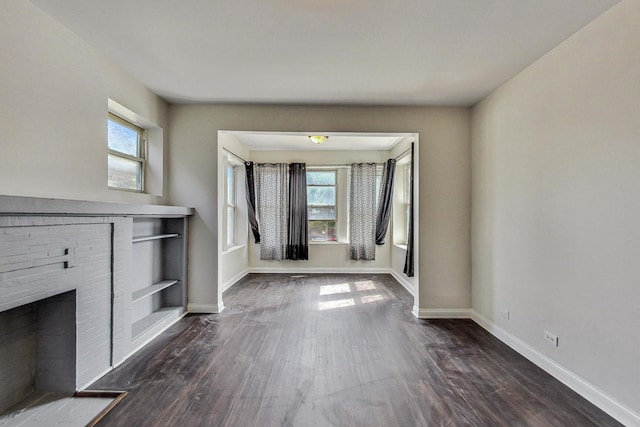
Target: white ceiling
x: 369, y: 52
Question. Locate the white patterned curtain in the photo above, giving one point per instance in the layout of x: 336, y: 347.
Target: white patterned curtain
x: 362, y: 221
x: 272, y: 193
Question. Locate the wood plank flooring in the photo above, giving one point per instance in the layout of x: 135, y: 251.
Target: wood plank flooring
x: 334, y: 350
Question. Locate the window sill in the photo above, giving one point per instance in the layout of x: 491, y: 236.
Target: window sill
x: 232, y: 249
x: 329, y: 243
x: 403, y: 247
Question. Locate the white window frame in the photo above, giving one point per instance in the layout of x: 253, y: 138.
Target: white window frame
x: 230, y: 204
x: 336, y: 205
x: 406, y: 199
x: 142, y: 151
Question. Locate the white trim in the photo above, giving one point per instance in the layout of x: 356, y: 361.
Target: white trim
x: 235, y: 279
x: 403, y: 281
x: 234, y: 248
x: 105, y: 372
x: 284, y: 270
x: 205, y: 308
x: 147, y: 341
x: 585, y: 389
x: 442, y: 313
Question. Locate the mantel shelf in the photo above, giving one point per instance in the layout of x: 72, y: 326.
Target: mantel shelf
x: 150, y: 290
x: 154, y: 237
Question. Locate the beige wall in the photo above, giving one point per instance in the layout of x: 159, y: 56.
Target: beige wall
x: 556, y: 202
x: 53, y: 107
x: 444, y: 182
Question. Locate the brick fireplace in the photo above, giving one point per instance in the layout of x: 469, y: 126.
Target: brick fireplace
x: 56, y: 290
x: 67, y: 292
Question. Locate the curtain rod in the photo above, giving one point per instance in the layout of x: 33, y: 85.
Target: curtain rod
x: 401, y: 155
x: 398, y: 157
x: 234, y: 155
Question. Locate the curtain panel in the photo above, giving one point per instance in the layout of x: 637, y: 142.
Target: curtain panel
x: 298, y: 245
x: 272, y: 185
x: 251, y: 200
x: 385, y: 201
x: 362, y: 196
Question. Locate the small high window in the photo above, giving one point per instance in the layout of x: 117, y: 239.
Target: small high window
x: 127, y: 154
x: 321, y: 205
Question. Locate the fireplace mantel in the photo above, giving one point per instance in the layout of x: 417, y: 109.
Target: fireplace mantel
x: 18, y: 205
x: 125, y: 263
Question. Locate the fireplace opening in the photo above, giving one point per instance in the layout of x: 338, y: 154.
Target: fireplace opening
x: 38, y: 350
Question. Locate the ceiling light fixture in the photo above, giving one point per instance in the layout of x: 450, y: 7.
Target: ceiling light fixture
x: 318, y: 139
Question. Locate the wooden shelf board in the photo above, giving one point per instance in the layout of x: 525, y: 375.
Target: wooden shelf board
x: 154, y: 237
x: 148, y: 322
x: 150, y: 290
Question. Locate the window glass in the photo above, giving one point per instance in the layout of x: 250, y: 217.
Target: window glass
x: 231, y: 226
x: 321, y: 205
x: 123, y: 138
x: 230, y: 213
x: 231, y: 185
x: 321, y: 178
x: 125, y: 161
x: 319, y: 196
x: 124, y: 173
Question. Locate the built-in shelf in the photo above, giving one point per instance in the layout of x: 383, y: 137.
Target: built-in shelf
x: 155, y: 237
x: 158, y: 288
x: 148, y: 322
x: 150, y: 290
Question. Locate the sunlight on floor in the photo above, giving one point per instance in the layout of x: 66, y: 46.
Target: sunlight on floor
x: 341, y: 303
x: 371, y: 298
x: 342, y: 288
x: 365, y: 285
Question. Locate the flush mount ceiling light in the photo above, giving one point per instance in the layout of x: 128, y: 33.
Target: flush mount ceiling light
x: 318, y: 139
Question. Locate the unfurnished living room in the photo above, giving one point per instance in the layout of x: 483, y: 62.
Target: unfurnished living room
x: 319, y: 213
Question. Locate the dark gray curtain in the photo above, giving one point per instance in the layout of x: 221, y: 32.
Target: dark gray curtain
x: 251, y: 200
x: 408, y: 261
x: 297, y: 244
x: 384, y: 201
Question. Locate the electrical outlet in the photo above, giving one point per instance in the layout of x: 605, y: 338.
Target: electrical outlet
x: 553, y: 339
x: 505, y: 314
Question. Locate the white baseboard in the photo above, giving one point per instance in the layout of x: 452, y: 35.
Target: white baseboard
x: 442, y: 313
x: 105, y: 372
x: 229, y: 283
x: 311, y: 270
x: 403, y: 281
x: 147, y: 341
x: 205, y: 308
x: 571, y: 380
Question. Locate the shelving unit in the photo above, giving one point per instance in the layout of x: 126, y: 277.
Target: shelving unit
x: 158, y: 292
x: 154, y: 237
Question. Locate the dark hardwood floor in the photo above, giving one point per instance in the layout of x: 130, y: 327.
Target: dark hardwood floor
x: 334, y: 350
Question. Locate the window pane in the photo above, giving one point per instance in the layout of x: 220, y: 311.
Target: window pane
x: 322, y: 231
x: 321, y: 178
x: 123, y: 139
x: 124, y: 173
x: 231, y: 226
x: 231, y: 187
x: 321, y: 196
x: 322, y: 212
